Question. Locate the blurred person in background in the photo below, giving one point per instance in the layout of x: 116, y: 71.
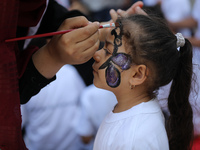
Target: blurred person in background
x: 97, y: 9
x: 48, y: 118
x: 95, y: 103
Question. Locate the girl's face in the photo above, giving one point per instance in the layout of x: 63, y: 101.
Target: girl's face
x: 111, y: 62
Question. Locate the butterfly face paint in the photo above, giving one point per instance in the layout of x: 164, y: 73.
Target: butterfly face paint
x: 122, y: 60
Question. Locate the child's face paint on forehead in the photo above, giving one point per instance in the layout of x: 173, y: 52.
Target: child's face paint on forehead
x: 117, y: 37
x: 122, y: 60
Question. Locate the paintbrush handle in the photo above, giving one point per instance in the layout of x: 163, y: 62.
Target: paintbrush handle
x: 39, y: 35
x: 53, y: 33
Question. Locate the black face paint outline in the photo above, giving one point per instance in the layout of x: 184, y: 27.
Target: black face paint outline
x: 112, y: 74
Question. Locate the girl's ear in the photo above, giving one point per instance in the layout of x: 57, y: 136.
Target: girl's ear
x: 139, y: 75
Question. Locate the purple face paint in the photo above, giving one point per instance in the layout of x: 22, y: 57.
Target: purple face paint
x: 112, y: 76
x: 122, y: 60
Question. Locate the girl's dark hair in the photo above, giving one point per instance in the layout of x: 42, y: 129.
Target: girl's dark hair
x: 152, y: 43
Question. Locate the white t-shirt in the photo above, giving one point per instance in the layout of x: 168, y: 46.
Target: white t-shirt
x: 49, y: 115
x: 140, y: 128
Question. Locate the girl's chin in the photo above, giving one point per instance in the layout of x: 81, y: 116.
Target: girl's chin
x: 101, y: 86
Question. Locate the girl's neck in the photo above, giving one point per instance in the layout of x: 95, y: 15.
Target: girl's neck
x: 128, y: 101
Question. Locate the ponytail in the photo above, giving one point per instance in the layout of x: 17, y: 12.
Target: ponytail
x: 180, y: 125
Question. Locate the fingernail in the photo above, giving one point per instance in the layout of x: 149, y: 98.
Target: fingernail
x: 111, y: 10
x: 119, y: 10
x: 137, y: 8
x: 97, y: 23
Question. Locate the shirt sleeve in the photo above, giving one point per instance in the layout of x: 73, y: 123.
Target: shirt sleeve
x: 31, y: 81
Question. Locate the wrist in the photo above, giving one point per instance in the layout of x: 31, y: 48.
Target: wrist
x: 45, y: 62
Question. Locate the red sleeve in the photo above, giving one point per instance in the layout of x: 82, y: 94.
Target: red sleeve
x: 30, y: 12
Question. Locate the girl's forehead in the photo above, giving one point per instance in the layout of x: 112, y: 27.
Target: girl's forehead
x: 109, y: 36
x: 113, y: 41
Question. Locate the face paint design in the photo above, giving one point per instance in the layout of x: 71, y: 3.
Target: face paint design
x: 112, y: 76
x: 122, y: 60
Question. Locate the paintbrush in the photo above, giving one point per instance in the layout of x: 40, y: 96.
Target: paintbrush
x: 110, y: 25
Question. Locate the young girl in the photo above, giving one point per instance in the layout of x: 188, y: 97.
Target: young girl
x: 139, y: 56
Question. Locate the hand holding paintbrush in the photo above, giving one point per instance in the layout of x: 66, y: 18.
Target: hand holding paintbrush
x: 75, y: 47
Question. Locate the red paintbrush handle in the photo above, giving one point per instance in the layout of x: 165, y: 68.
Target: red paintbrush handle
x: 38, y: 35
x: 53, y: 33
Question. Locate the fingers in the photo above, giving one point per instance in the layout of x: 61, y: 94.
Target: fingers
x: 77, y: 46
x: 85, y: 49
x: 89, y: 53
x: 114, y: 15
x: 83, y: 33
x: 89, y: 42
x: 131, y: 10
x: 73, y: 23
x: 134, y: 9
x: 121, y: 13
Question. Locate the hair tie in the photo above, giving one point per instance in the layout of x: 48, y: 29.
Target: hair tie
x: 180, y: 40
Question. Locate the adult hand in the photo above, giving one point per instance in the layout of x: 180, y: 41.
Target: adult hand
x: 134, y: 9
x: 74, y: 47
x: 77, y: 46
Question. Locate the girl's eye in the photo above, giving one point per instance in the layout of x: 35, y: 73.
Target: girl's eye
x: 107, y: 52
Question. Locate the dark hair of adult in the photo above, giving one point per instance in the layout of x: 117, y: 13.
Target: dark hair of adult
x: 152, y: 43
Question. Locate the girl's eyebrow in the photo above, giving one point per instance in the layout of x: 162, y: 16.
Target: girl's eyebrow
x: 107, y: 42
